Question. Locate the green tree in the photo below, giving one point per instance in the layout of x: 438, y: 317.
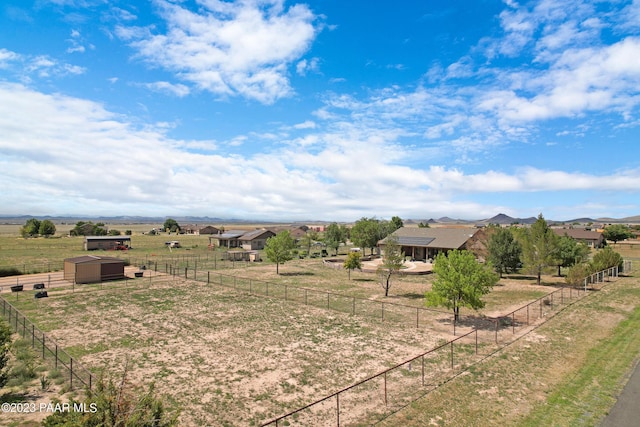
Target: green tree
x: 308, y: 239
x: 424, y: 225
x: 171, y: 225
x: 352, y: 262
x: 617, y: 232
x: 47, y: 228
x: 279, y: 248
x: 569, y: 252
x: 504, y: 251
x: 334, y: 235
x: 577, y: 273
x: 460, y: 282
x: 111, y: 404
x: 606, y: 258
x: 31, y: 228
x: 539, y: 245
x: 114, y: 232
x: 5, y: 343
x: 83, y: 228
x: 395, y: 224
x: 392, y: 262
x: 366, y: 233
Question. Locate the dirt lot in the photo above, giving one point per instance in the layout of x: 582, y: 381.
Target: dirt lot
x: 224, y: 357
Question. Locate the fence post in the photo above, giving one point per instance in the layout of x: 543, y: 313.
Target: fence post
x: 385, y: 388
x: 33, y: 335
x: 209, y: 277
x: 451, y: 355
x: 338, y: 408
x: 71, y: 373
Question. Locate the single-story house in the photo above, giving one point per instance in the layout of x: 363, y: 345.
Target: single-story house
x: 197, y: 230
x: 295, y: 231
x: 93, y: 269
x: 425, y: 243
x: 226, y: 239
x: 108, y: 243
x: 592, y: 239
x: 255, y: 240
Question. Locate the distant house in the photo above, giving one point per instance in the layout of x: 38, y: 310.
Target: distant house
x: 426, y: 243
x: 209, y: 229
x: 296, y: 232
x: 593, y: 239
x: 227, y: 239
x: 255, y: 240
x: 93, y: 269
x: 92, y: 243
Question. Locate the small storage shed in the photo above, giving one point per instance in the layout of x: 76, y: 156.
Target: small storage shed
x: 92, y: 269
x: 108, y: 243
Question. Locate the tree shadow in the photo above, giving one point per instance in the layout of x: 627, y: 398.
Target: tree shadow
x: 363, y: 280
x: 412, y: 295
x: 299, y: 273
x: 16, y: 397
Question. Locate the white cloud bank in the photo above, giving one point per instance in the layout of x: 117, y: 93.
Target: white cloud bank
x: 243, y: 48
x: 61, y: 154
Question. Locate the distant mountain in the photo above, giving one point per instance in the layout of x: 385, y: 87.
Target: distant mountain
x: 501, y: 219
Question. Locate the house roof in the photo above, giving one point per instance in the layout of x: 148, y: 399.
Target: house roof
x: 443, y: 238
x: 579, y: 234
x: 230, y: 234
x: 255, y: 234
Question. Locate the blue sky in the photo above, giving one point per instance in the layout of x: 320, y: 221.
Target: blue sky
x: 326, y: 109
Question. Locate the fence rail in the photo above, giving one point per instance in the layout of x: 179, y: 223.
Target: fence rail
x: 373, y: 397
x: 46, y: 347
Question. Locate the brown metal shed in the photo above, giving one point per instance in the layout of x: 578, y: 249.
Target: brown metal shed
x: 92, y: 269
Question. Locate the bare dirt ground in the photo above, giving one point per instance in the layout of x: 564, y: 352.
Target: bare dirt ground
x: 228, y: 358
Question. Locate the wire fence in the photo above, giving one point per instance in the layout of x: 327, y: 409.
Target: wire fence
x: 474, y: 337
x: 47, y: 348
x: 374, y: 397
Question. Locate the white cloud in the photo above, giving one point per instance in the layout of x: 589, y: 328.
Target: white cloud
x: 49, y: 162
x: 230, y: 49
x: 178, y: 90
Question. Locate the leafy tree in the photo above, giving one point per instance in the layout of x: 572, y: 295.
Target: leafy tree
x: 539, y: 244
x: 83, y: 228
x: 31, y: 228
x: 424, y: 225
x: 569, y: 252
x: 366, y: 232
x: 114, y: 232
x: 335, y: 234
x: 395, y: 224
x: 171, y: 225
x: 5, y: 342
x: 392, y: 262
x: 352, y: 262
x: 47, y: 228
x: 460, y: 282
x: 577, y: 273
x: 111, y: 404
x: 504, y: 251
x: 606, y: 258
x: 617, y: 232
x: 308, y: 239
x: 279, y: 249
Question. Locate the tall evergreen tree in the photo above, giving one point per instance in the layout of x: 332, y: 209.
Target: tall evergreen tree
x: 539, y: 246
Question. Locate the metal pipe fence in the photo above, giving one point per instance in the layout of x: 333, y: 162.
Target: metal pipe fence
x: 47, y: 348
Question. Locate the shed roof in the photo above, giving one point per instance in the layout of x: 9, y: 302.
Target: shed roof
x: 95, y: 259
x: 107, y: 238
